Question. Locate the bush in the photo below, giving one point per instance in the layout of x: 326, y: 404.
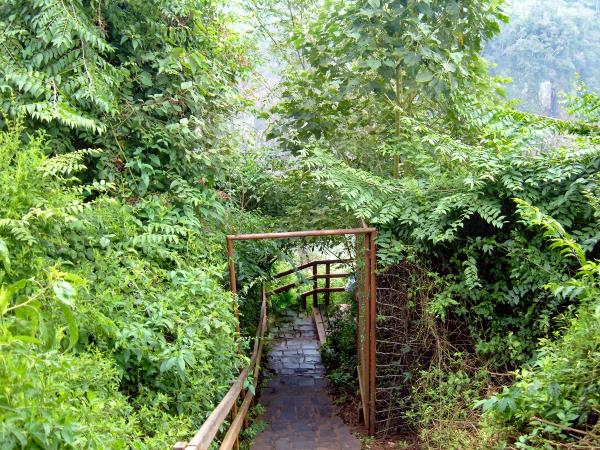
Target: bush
x: 560, y: 388
x: 339, y: 353
x: 115, y: 333
x: 441, y: 407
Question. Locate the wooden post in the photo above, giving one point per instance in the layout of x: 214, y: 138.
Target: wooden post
x: 315, y: 284
x: 365, y: 333
x: 236, y: 312
x: 233, y: 283
x: 327, y: 283
x: 234, y: 413
x: 372, y: 329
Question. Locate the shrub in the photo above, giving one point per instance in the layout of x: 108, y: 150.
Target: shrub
x: 114, y: 333
x: 557, y: 396
x: 339, y: 352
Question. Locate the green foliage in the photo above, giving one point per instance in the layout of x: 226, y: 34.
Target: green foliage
x: 275, y: 21
x: 462, y: 156
x: 560, y: 388
x: 57, y: 400
x: 109, y: 336
x: 110, y: 259
x: 149, y: 82
x: 373, y: 65
x: 284, y: 300
x: 442, y: 407
x: 458, y: 207
x: 339, y: 353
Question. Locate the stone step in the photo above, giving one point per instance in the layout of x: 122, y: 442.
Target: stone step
x: 298, y: 411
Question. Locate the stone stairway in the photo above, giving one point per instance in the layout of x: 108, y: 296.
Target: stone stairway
x: 298, y: 412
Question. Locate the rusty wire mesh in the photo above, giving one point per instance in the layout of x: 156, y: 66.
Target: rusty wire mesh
x: 405, y: 341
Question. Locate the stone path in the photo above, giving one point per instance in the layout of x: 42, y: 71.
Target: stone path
x: 298, y: 412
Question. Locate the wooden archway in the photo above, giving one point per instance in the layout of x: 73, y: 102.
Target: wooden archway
x: 367, y: 301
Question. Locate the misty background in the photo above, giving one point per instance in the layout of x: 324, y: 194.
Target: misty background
x: 547, y: 48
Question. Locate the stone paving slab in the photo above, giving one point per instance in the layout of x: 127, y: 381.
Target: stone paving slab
x: 298, y: 412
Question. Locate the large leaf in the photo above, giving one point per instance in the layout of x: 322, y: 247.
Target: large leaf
x: 424, y: 76
x: 72, y: 325
x: 66, y: 294
x: 4, y: 300
x: 4, y: 256
x: 373, y: 63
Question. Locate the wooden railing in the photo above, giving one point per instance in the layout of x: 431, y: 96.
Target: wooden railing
x: 366, y: 298
x: 229, y: 404
x: 207, y: 432
x: 315, y: 277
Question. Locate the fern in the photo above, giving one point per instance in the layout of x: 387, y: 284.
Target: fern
x: 554, y: 231
x: 62, y: 40
x: 61, y: 166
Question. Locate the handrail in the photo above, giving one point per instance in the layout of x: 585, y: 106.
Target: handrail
x: 209, y: 429
x: 287, y: 287
x: 311, y: 264
x: 228, y: 405
x: 236, y: 426
x: 299, y: 234
x: 319, y: 325
x: 315, y: 277
x: 320, y: 290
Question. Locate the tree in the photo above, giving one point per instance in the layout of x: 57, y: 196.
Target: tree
x: 151, y: 82
x: 388, y: 58
x: 546, y: 45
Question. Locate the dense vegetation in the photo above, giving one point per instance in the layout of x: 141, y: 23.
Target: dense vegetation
x: 123, y: 165
x: 116, y: 330
x: 395, y: 120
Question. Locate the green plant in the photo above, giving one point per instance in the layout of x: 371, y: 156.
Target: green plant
x: 559, y: 390
x: 380, y: 86
x: 339, y: 353
x: 151, y: 83
x: 256, y: 426
x: 441, y: 400
x: 284, y: 300
x: 100, y: 315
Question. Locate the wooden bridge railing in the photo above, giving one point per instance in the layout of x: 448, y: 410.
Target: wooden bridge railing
x: 210, y: 428
x: 315, y: 277
x: 229, y: 404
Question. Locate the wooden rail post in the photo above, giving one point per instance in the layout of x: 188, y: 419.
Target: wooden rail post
x: 233, y: 284
x: 364, y: 333
x: 372, y: 330
x: 315, y: 296
x: 327, y: 282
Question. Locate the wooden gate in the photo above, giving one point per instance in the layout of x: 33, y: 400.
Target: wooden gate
x: 366, y: 318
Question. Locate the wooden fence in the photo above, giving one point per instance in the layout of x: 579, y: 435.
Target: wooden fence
x: 206, y: 434
x: 315, y: 277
